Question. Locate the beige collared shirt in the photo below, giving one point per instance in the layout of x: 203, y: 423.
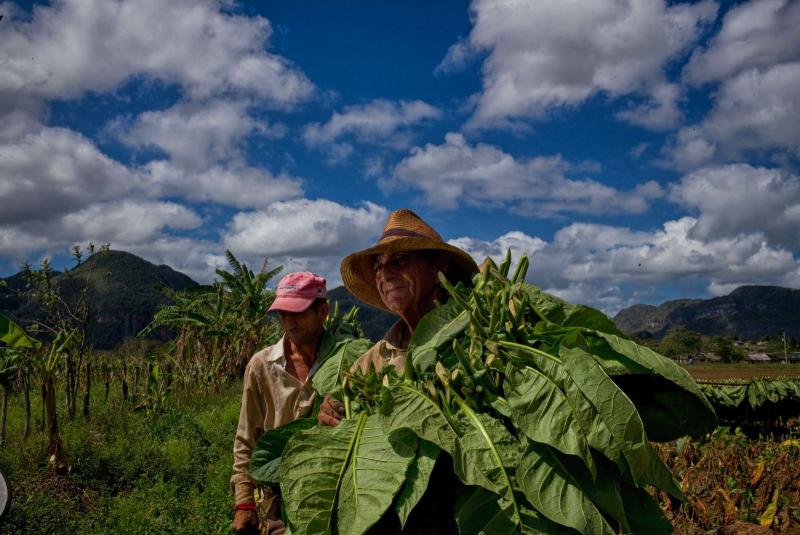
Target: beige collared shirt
x: 271, y: 397
x: 385, y: 352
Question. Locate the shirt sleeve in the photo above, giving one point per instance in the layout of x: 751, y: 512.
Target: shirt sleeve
x: 250, y: 427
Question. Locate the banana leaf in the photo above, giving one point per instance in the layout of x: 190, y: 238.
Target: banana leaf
x: 14, y: 336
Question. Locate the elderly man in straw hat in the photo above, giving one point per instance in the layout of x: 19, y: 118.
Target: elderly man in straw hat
x: 399, y: 275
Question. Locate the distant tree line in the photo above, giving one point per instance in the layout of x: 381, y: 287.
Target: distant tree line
x: 681, y: 343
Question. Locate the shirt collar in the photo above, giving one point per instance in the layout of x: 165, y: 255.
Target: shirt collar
x: 277, y: 356
x: 395, y: 334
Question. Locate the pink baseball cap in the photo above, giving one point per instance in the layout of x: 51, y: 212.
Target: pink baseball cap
x: 296, y: 291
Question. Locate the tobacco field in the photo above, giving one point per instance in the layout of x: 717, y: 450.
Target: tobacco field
x: 152, y: 450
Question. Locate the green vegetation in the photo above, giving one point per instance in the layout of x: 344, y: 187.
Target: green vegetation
x: 544, y: 409
x: 219, y: 327
x: 129, y: 471
x: 680, y: 342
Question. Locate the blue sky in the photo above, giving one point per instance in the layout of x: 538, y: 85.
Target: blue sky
x: 637, y: 150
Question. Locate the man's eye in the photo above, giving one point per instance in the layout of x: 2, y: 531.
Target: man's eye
x: 401, y: 260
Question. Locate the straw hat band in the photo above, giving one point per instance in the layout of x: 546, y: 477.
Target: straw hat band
x: 406, y: 233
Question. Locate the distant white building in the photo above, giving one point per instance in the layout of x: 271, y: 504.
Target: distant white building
x: 758, y: 356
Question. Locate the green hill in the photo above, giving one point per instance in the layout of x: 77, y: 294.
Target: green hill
x: 123, y: 294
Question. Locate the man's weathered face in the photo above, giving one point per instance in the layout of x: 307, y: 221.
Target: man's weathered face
x: 404, y: 280
x: 304, y: 328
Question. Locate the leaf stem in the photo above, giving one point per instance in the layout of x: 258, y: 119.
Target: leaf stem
x: 485, y: 434
x: 528, y: 349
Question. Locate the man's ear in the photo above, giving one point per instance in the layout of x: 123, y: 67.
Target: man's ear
x: 442, y: 263
x: 323, y: 310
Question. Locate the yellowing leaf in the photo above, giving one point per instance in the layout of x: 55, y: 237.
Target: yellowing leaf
x: 730, y: 507
x: 769, y: 513
x: 791, y: 442
x: 757, y: 473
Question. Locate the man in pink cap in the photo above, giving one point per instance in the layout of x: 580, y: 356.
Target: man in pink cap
x: 277, y: 387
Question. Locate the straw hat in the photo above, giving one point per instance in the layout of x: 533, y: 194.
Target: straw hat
x: 404, y: 231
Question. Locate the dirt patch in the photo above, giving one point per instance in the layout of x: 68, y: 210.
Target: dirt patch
x: 61, y: 488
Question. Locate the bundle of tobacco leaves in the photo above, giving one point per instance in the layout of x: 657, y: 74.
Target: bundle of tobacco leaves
x: 545, y: 410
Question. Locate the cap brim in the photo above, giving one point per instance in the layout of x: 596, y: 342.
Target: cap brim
x: 290, y: 304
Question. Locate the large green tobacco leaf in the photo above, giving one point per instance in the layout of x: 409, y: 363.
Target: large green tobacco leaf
x: 579, y: 409
x: 374, y: 475
x: 757, y: 392
x: 342, y: 479
x: 265, y: 461
x: 338, y: 360
x: 417, y: 477
x: 13, y: 336
x: 629, y: 445
x: 669, y: 401
x: 485, y: 513
x: 437, y: 328
x: 547, y: 410
x: 482, y: 449
x: 724, y: 395
x: 566, y: 314
x: 633, y: 508
x: 553, y: 491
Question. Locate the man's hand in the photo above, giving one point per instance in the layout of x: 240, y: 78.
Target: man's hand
x: 331, y: 412
x: 245, y: 522
x: 276, y: 527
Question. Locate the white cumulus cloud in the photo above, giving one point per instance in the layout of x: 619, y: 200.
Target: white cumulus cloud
x: 74, y: 46
x: 457, y: 172
x: 741, y: 199
x: 48, y: 172
x: 303, y: 228
x: 547, y: 55
x: 613, y: 267
x: 754, y: 35
x: 380, y: 122
x: 194, y: 134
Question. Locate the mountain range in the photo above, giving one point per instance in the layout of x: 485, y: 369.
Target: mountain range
x: 748, y: 313
x: 124, y: 294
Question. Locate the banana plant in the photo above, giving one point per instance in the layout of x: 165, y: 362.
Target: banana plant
x: 12, y: 339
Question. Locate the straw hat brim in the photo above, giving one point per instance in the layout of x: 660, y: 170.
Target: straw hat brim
x: 358, y: 273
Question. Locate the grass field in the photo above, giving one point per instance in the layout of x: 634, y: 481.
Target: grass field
x: 131, y: 473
